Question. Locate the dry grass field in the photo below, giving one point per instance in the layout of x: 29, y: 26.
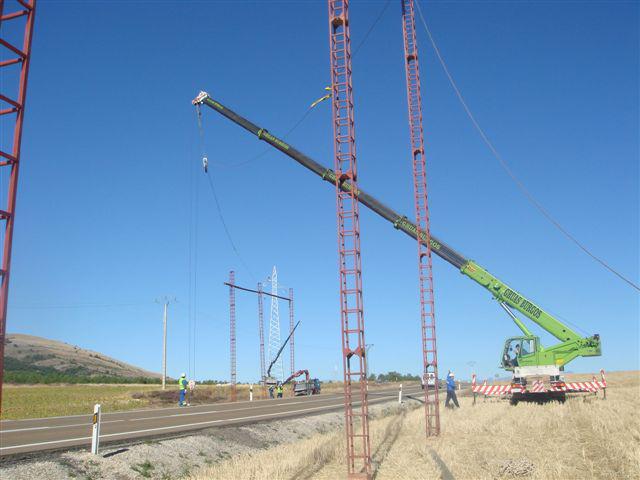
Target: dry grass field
x: 585, y: 438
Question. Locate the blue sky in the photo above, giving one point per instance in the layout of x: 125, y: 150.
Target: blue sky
x: 110, y: 151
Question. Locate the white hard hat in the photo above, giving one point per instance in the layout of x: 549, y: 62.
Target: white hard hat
x: 183, y: 375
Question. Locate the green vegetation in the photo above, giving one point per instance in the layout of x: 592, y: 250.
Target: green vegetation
x: 393, y: 376
x: 145, y: 469
x: 35, y: 401
x: 24, y: 371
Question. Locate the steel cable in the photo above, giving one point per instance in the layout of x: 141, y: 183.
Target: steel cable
x: 505, y: 166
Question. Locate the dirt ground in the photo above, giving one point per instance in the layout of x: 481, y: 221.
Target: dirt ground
x: 587, y: 437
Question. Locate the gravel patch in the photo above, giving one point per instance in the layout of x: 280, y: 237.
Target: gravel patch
x: 172, y: 458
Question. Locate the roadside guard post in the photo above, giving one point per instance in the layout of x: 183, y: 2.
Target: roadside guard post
x: 251, y: 392
x: 400, y: 394
x: 95, y: 437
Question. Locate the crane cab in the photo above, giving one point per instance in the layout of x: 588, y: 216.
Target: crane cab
x: 519, y: 351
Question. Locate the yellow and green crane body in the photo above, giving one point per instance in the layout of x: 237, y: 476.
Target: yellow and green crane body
x: 571, y: 345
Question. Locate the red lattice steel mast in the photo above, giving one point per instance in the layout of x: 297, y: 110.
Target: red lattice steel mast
x: 352, y: 317
x: 263, y: 373
x: 232, y: 333
x: 425, y: 273
x: 291, y: 342
x: 19, y: 57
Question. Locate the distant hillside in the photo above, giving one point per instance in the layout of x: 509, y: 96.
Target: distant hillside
x: 30, y: 359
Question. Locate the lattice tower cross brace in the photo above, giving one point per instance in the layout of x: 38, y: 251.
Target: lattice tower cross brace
x: 351, y: 308
x: 425, y: 272
x: 20, y: 57
x: 274, y: 329
x: 263, y: 374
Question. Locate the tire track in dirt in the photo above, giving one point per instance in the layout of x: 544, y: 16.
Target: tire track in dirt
x: 321, y: 455
x: 391, y: 433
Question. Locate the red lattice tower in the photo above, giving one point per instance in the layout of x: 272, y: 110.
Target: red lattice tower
x: 15, y: 60
x: 352, y: 317
x: 263, y: 374
x: 427, y: 305
x: 232, y: 333
x: 291, y: 322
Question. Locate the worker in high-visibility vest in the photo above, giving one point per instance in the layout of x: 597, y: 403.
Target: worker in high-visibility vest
x: 182, y: 386
x: 279, y: 390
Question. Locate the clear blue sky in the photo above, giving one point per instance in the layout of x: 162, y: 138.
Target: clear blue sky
x: 110, y: 145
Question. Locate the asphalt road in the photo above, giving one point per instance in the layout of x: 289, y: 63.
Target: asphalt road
x: 33, y: 435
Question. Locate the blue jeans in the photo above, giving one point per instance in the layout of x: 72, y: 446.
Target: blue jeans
x: 182, y: 394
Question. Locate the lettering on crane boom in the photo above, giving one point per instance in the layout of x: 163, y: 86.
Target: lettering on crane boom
x: 213, y: 103
x: 262, y: 133
x: 524, y: 304
x: 404, y: 224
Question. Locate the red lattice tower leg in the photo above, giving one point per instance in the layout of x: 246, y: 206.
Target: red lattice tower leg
x: 291, y: 321
x: 232, y: 334
x: 12, y: 103
x: 263, y: 374
x: 352, y: 317
x: 427, y: 305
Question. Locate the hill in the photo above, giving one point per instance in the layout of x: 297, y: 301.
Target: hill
x: 31, y: 359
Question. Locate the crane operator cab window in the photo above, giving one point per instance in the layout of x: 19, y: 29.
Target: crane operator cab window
x: 514, y: 349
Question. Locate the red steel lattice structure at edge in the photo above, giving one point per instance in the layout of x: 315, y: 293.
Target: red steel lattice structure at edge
x: 425, y: 272
x: 232, y: 334
x: 352, y: 317
x: 18, y: 58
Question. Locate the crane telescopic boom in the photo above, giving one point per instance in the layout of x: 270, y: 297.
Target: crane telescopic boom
x: 572, y: 344
x: 284, y: 344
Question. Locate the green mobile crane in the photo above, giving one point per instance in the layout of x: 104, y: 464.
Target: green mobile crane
x: 523, y: 355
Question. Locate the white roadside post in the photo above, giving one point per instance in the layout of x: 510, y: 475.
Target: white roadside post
x: 251, y: 392
x: 400, y: 394
x: 95, y: 437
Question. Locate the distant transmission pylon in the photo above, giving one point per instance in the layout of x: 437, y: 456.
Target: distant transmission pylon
x: 274, y: 330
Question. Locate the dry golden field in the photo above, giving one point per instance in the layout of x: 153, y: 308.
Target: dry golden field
x: 585, y: 438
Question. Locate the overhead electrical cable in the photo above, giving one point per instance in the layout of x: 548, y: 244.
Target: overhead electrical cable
x: 226, y: 228
x: 37, y: 306
x: 371, y: 28
x: 505, y: 166
x: 306, y: 113
x: 215, y: 195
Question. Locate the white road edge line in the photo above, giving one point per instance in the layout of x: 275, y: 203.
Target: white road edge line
x: 54, y: 427
x: 156, y: 417
x: 210, y: 422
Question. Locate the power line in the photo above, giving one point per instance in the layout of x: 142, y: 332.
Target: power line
x: 226, y: 228
x: 505, y: 166
x: 371, y: 28
x: 37, y: 306
x: 308, y: 110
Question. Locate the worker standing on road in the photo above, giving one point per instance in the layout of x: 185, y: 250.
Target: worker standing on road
x: 279, y: 390
x: 182, y: 386
x: 451, y: 391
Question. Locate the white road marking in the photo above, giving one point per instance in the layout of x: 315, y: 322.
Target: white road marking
x: 161, y: 416
x: 173, y: 427
x: 88, y: 424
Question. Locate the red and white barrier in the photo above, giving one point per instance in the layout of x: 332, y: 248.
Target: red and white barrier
x: 539, y: 387
x: 485, y: 389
